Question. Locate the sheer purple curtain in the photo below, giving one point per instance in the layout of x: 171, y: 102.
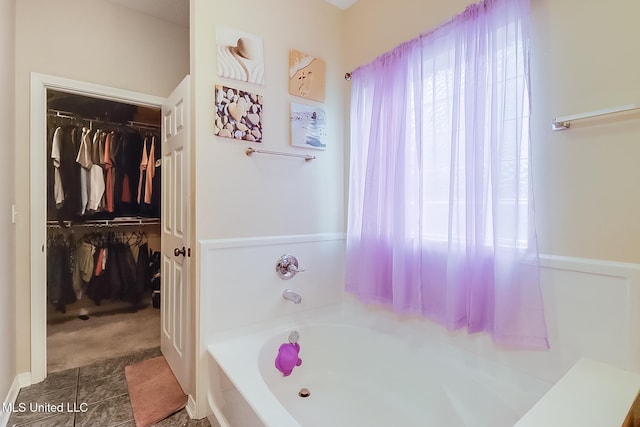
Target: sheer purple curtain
x: 441, y: 219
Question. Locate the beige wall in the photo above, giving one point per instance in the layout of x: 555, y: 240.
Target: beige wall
x: 239, y: 196
x: 372, y: 27
x: 92, y: 41
x: 583, y: 59
x: 7, y: 229
x: 587, y: 179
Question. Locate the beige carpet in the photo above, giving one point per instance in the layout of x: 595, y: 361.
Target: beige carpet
x: 154, y: 391
x: 76, y: 342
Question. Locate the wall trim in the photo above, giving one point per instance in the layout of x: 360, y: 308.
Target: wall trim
x: 589, y: 265
x: 191, y: 407
x: 626, y: 274
x: 242, y: 242
x: 19, y: 381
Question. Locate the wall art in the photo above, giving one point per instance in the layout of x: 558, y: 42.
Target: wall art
x: 306, y: 76
x: 240, y: 55
x: 308, y: 126
x: 238, y: 114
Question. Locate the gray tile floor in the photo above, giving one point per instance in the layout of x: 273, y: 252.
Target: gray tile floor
x: 94, y: 395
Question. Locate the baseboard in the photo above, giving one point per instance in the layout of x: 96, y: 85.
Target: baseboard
x: 20, y: 380
x: 191, y: 407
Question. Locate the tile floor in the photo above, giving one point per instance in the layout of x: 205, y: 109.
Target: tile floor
x: 95, y: 395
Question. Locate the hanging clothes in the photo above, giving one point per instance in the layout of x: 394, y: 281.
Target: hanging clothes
x: 144, y: 163
x: 56, y: 156
x: 64, y: 155
x: 112, y: 272
x: 109, y: 176
x: 149, y: 185
x: 127, y: 173
x: 142, y: 281
x: 150, y: 171
x: 98, y: 287
x: 101, y: 174
x: 83, y: 158
x: 60, y: 264
x: 93, y: 173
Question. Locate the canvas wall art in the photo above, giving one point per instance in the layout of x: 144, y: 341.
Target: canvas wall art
x: 306, y: 76
x: 238, y: 114
x: 240, y: 55
x: 308, y: 126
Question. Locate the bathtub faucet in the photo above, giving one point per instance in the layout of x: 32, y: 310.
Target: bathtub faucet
x: 287, y: 267
x: 290, y: 295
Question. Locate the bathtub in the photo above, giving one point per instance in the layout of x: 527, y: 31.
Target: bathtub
x: 359, y: 372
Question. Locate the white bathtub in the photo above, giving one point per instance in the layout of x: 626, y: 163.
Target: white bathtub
x: 360, y: 373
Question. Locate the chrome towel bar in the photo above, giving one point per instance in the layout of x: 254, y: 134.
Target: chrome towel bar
x: 306, y: 157
x: 562, y: 123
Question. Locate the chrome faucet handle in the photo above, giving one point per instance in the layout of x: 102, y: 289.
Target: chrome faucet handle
x: 293, y: 268
x: 287, y: 267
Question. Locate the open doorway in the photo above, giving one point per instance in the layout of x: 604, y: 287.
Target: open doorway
x: 45, y: 88
x: 103, y: 228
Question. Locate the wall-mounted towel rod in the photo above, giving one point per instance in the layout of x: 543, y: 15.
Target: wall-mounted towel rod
x: 562, y: 123
x: 306, y: 157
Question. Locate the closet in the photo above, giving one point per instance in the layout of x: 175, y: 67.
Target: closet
x: 103, y: 222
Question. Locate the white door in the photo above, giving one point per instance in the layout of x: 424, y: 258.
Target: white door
x: 176, y: 294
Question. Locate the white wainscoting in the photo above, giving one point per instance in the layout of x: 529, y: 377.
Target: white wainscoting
x: 238, y: 285
x: 592, y: 306
x: 593, y: 310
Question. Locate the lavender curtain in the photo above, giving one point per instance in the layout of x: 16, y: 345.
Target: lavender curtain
x: 441, y: 219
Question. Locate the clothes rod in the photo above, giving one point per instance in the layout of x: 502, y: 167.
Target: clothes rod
x: 99, y: 223
x: 306, y: 157
x: 74, y: 116
x: 63, y: 114
x: 133, y: 123
x: 562, y: 123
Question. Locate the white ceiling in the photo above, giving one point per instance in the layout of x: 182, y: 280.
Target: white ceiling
x: 177, y: 11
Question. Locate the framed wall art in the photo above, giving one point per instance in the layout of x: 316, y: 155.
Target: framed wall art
x: 240, y: 55
x: 308, y: 126
x: 306, y: 76
x: 238, y: 114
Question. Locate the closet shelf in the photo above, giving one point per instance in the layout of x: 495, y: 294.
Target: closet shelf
x: 116, y: 222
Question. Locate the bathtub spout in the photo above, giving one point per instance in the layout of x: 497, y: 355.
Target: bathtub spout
x: 290, y: 295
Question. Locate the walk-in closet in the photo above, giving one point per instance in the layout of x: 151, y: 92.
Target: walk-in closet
x: 103, y: 229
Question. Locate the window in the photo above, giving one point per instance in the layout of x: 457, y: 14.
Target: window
x: 440, y: 217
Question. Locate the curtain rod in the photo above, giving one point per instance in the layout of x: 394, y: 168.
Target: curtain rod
x: 564, y: 122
